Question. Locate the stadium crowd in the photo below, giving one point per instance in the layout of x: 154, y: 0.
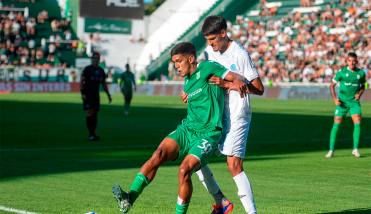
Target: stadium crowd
x: 306, y: 47
x: 35, y: 41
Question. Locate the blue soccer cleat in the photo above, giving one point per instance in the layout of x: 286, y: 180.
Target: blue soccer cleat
x: 225, y: 208
x: 122, y: 198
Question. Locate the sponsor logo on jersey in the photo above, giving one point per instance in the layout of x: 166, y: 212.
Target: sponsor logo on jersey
x: 197, y: 91
x: 350, y: 84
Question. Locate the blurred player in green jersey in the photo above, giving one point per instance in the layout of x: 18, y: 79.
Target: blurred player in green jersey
x: 127, y: 84
x: 196, y: 139
x: 351, y: 81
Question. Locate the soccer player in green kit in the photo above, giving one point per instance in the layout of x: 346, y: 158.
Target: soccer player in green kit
x: 127, y: 84
x: 352, y: 85
x: 195, y: 140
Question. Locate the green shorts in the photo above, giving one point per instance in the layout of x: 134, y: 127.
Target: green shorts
x: 353, y: 107
x: 201, y: 145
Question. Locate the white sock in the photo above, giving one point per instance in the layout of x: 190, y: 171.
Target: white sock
x: 245, y: 192
x: 207, y: 179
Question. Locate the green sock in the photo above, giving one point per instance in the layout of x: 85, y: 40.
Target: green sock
x: 356, y: 135
x: 136, y: 188
x: 333, y: 134
x: 181, y: 208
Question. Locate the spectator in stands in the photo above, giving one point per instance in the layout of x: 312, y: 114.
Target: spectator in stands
x: 305, y: 3
x: 40, y: 60
x: 21, y: 37
x: 299, y: 39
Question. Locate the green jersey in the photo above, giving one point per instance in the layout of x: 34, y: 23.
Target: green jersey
x: 205, y: 100
x: 350, y: 82
x: 127, y: 82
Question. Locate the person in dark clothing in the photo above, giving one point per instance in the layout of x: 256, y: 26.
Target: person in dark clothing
x: 91, y: 78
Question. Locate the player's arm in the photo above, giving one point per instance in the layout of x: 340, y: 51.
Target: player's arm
x: 83, y: 84
x: 333, y: 92
x: 253, y: 87
x: 360, y: 92
x: 134, y: 83
x: 335, y: 80
x: 105, y: 88
x: 184, y: 97
x: 256, y: 87
x: 236, y: 82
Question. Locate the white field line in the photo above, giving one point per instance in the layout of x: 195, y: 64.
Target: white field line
x: 12, y: 210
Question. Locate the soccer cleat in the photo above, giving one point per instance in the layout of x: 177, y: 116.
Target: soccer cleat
x: 217, y: 209
x: 356, y: 153
x: 330, y: 154
x: 225, y: 208
x: 93, y: 138
x: 122, y: 198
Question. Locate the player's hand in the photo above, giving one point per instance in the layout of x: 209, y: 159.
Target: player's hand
x: 241, y: 87
x: 184, y: 97
x: 337, y: 102
x: 248, y: 91
x: 357, y: 97
x: 217, y: 81
x: 109, y: 98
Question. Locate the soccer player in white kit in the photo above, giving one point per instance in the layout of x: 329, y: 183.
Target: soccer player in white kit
x: 237, y: 113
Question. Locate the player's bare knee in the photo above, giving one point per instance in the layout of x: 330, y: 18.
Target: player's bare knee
x: 185, y: 172
x: 235, y: 166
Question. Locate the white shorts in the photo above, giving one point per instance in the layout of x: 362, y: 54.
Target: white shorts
x: 234, y: 138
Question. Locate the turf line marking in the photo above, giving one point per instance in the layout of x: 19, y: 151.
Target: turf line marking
x: 9, y: 209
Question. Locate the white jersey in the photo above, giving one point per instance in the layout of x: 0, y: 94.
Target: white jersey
x: 235, y: 59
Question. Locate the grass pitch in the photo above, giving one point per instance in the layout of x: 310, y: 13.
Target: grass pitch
x: 48, y: 166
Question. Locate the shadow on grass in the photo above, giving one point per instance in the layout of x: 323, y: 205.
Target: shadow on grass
x: 43, y: 138
x: 352, y: 211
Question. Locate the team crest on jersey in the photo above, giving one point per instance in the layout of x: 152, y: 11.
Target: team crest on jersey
x: 358, y: 76
x: 347, y: 75
x: 233, y: 67
x: 198, y: 75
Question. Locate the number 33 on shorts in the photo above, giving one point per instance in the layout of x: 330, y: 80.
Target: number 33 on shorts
x: 205, y: 147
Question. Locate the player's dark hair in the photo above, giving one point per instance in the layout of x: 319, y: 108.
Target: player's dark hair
x: 127, y: 67
x: 183, y: 48
x: 352, y: 54
x: 213, y: 25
